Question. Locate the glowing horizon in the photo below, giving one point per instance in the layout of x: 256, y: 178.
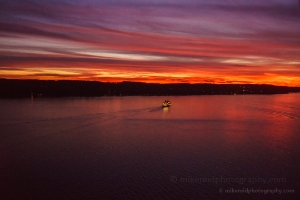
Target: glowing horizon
x: 152, y: 41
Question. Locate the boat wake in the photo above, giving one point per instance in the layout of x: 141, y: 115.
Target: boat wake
x: 155, y: 109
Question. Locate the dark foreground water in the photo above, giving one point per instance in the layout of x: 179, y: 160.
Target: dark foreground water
x: 202, y: 147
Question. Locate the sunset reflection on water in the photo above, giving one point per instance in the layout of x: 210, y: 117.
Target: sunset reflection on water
x: 114, y: 147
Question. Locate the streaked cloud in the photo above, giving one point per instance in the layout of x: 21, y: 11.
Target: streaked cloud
x: 152, y: 40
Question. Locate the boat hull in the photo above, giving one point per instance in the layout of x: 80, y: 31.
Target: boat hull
x: 166, y: 104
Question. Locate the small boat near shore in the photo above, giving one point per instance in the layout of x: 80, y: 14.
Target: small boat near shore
x: 166, y: 103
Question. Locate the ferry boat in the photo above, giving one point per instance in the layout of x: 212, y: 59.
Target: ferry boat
x: 166, y: 103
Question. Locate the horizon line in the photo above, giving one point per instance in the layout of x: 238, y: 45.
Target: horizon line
x: 159, y: 83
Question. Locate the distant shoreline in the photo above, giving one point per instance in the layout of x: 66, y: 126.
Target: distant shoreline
x: 16, y: 88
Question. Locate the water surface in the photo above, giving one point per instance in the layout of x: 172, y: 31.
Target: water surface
x: 132, y: 148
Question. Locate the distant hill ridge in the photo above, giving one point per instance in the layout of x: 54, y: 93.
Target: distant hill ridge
x: 13, y: 88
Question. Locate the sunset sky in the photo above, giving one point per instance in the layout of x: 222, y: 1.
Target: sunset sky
x: 170, y: 41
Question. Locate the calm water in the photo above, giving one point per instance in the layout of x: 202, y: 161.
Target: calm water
x: 202, y: 147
